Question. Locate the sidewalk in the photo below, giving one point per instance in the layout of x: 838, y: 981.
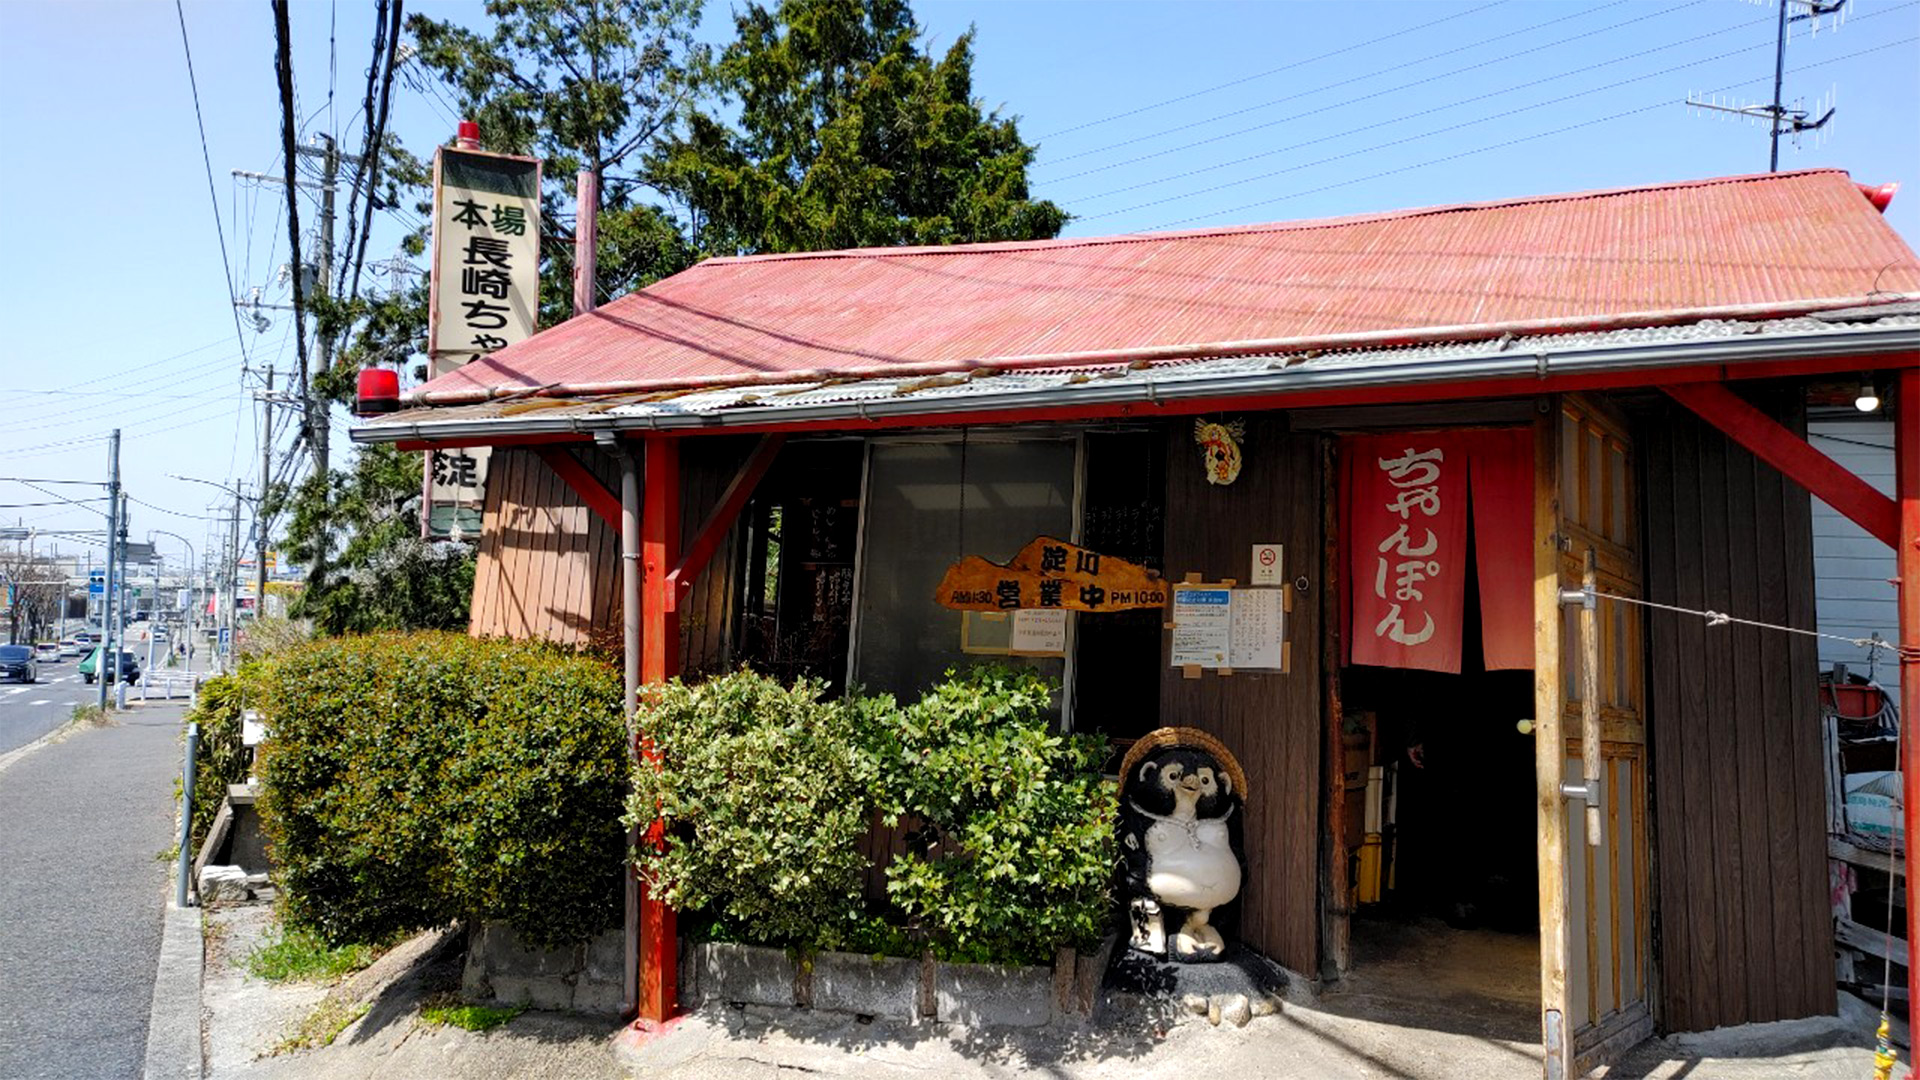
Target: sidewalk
x: 87, y: 812
x: 1341, y: 1038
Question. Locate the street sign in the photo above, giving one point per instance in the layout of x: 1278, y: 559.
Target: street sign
x: 226, y: 639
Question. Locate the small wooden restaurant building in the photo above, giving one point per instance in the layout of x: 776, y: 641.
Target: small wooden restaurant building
x: 1526, y: 479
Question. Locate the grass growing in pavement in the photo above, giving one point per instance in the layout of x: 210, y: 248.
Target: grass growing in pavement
x: 448, y: 1010
x: 91, y: 714
x: 298, y: 954
x: 323, y: 1025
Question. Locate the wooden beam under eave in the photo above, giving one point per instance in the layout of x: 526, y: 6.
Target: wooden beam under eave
x: 1768, y: 440
x: 713, y: 531
x: 583, y: 483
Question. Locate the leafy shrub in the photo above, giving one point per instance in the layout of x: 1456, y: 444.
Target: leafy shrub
x: 767, y: 791
x: 221, y: 759
x: 412, y: 780
x: 1015, y: 852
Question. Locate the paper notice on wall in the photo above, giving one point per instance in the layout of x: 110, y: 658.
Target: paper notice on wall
x: 1259, y: 628
x: 1039, y: 632
x: 1202, y: 626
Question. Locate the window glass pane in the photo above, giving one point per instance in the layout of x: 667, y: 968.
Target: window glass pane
x: 927, y: 505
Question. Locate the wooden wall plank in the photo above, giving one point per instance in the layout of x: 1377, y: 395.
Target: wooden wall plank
x: 1271, y: 722
x: 1738, y: 800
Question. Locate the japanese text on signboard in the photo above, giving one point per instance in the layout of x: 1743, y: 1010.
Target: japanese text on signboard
x: 1050, y: 573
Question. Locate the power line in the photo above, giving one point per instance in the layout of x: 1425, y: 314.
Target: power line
x: 1243, y: 110
x: 1438, y: 131
x: 1503, y: 59
x: 1274, y: 71
x: 213, y: 197
x: 157, y: 363
x: 1499, y: 145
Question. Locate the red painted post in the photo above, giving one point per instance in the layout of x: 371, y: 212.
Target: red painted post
x: 1906, y: 488
x: 659, y: 661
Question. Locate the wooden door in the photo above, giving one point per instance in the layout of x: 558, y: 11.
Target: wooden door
x: 1593, y: 888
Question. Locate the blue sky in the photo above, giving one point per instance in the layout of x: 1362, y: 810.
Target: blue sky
x: 1148, y: 115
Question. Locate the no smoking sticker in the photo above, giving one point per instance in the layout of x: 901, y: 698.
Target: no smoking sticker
x: 1267, y: 562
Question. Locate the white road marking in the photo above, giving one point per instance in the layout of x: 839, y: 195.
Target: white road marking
x: 16, y: 690
x: 42, y: 701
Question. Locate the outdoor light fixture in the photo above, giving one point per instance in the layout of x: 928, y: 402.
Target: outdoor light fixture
x: 1868, y: 399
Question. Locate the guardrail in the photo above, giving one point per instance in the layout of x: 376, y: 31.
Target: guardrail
x: 171, y: 683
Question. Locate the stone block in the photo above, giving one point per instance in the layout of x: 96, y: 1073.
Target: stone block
x: 499, y: 949
x: 989, y: 995
x: 223, y: 884
x: 867, y: 986
x: 535, y: 992
x: 746, y: 974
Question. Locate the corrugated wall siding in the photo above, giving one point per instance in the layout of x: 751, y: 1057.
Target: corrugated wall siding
x: 549, y: 567
x: 1740, y: 872
x: 1271, y: 722
x: 1853, y: 583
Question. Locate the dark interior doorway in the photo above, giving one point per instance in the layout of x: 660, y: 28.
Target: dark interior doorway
x: 1443, y: 867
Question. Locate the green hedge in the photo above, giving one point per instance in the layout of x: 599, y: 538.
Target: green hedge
x: 222, y: 759
x: 767, y: 791
x: 411, y: 780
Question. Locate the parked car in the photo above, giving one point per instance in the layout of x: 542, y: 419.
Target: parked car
x: 17, y: 662
x: 129, y: 667
x: 69, y: 647
x: 86, y: 637
x: 47, y: 652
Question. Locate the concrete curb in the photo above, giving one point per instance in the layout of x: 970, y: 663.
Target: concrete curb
x: 173, y: 1022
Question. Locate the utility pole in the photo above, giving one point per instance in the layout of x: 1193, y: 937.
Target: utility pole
x: 319, y: 422
x: 260, y: 519
x: 106, y: 586
x: 233, y: 586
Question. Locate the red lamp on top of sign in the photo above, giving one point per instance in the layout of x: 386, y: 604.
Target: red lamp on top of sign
x: 377, y: 391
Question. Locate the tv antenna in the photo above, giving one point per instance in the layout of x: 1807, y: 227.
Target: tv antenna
x: 1780, y: 118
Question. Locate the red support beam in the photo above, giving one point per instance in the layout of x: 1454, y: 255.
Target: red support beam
x: 1799, y: 462
x: 583, y: 482
x: 714, y: 529
x: 659, y: 661
x: 1906, y: 487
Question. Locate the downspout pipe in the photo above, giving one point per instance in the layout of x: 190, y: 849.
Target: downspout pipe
x: 630, y: 700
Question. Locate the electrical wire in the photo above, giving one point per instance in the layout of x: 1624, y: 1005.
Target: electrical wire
x: 1273, y: 71
x: 1529, y: 84
x: 1661, y: 104
x: 1364, y: 77
x: 213, y: 198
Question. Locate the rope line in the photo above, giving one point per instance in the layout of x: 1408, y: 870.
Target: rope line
x: 1721, y: 618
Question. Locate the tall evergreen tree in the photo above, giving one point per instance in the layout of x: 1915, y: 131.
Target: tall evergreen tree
x: 849, y: 135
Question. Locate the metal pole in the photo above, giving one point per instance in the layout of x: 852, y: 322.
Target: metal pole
x: 153, y: 613
x: 233, y: 587
x: 106, y: 584
x: 259, y: 519
x: 126, y: 611
x: 630, y: 667
x: 184, y: 869
x: 1779, y: 76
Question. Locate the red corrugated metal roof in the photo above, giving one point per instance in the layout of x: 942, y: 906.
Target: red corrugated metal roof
x: 1750, y: 245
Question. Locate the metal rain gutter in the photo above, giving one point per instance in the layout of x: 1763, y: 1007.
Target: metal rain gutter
x: 1171, y: 385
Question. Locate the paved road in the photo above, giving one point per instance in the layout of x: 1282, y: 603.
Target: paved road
x: 30, y: 710
x: 81, y: 896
